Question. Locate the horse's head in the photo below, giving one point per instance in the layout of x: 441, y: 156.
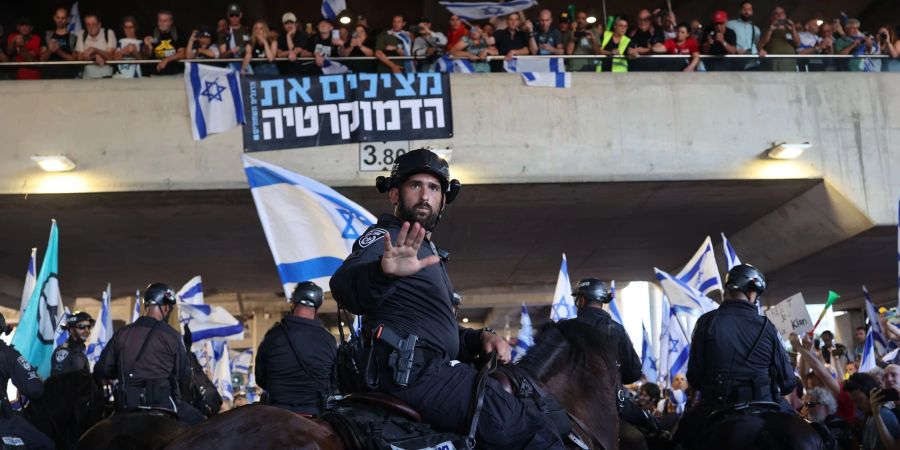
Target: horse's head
x: 72, y: 403
x: 576, y: 362
x: 202, y: 393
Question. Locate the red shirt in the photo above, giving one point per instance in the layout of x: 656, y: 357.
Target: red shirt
x: 32, y: 45
x: 845, y: 408
x: 453, y: 36
x: 688, y: 47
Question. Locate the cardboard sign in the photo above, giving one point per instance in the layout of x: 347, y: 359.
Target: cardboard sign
x: 790, y: 316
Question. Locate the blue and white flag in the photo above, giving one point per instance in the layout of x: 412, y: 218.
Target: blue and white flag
x: 242, y: 363
x: 210, y: 322
x: 330, y: 67
x: 879, y: 338
x: 525, y: 339
x: 648, y: 357
x: 30, y: 280
x: 538, y: 64
x: 103, y: 329
x: 310, y: 227
x: 662, y: 363
x: 701, y: 272
x: 136, y: 312
x: 331, y: 8
x: 548, y: 79
x: 680, y: 293
x: 74, y: 19
x: 678, y: 345
x: 206, y: 357
x: 869, y: 359
x: 62, y: 333
x: 222, y: 373
x: 449, y: 64
x: 731, y: 257
x: 36, y: 333
x: 898, y: 256
x: 614, y: 304
x: 563, y: 306
x: 486, y: 10
x: 406, y: 44
x: 192, y: 292
x: 214, y: 99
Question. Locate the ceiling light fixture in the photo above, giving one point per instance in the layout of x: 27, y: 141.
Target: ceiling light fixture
x: 789, y: 149
x: 56, y: 163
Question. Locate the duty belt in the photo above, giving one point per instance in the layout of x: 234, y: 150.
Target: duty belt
x: 405, y: 352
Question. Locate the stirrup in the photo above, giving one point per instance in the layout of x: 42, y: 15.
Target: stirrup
x: 573, y: 438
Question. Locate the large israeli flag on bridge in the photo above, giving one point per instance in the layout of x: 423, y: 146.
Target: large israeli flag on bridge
x: 214, y: 99
x: 310, y: 227
x: 486, y: 10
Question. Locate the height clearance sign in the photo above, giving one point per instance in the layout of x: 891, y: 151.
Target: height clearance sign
x: 290, y: 112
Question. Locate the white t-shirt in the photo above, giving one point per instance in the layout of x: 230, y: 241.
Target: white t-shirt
x: 103, y: 41
x: 129, y: 70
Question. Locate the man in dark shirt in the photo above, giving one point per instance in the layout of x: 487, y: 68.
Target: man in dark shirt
x: 14, y: 366
x: 233, y: 40
x: 292, y: 45
x: 396, y: 277
x: 646, y: 39
x: 545, y: 39
x: 149, y: 360
x: 165, y: 45
x: 70, y: 357
x: 324, y: 44
x: 510, y: 42
x: 295, y: 360
x: 60, y: 47
x: 719, y: 40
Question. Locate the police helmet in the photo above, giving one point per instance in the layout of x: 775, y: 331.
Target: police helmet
x: 745, y: 278
x: 594, y: 290
x: 420, y: 161
x: 78, y: 316
x: 457, y: 299
x: 307, y: 293
x: 159, y: 294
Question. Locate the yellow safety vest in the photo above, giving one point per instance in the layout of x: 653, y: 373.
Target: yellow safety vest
x: 618, y: 64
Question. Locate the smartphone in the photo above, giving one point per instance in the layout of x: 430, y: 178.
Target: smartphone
x: 335, y: 34
x: 890, y: 395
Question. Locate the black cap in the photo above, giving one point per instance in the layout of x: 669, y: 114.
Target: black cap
x: 420, y: 161
x: 423, y: 20
x: 204, y: 32
x: 234, y: 9
x: 78, y: 316
x: 307, y: 293
x: 745, y: 278
x: 593, y: 289
x: 24, y: 20
x: 159, y: 294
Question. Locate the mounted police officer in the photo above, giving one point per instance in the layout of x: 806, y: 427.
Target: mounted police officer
x: 295, y: 360
x: 590, y: 296
x: 70, y: 356
x: 736, y: 354
x: 149, y: 360
x: 13, y: 427
x: 396, y: 277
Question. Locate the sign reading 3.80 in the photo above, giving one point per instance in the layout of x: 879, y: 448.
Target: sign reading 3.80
x: 380, y: 156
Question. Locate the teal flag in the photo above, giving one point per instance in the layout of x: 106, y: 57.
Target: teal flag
x: 34, y: 337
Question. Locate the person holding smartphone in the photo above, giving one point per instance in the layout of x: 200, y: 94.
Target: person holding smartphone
x: 780, y: 38
x: 325, y: 44
x: 890, y: 46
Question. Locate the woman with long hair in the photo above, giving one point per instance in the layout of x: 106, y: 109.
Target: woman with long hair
x: 260, y: 47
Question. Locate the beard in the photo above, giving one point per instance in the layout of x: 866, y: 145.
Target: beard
x: 421, y: 213
x: 747, y: 17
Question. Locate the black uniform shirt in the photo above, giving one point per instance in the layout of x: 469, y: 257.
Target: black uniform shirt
x: 722, y: 343
x: 418, y: 304
x: 68, y: 357
x: 164, y: 358
x: 629, y: 362
x: 290, y: 384
x: 24, y: 376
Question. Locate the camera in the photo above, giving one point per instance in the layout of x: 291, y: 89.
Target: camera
x: 580, y: 34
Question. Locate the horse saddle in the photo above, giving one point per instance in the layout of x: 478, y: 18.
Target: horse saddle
x: 389, y: 403
x: 742, y: 408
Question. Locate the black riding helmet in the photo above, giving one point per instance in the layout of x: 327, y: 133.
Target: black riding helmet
x: 456, y: 300
x: 420, y: 161
x: 594, y: 290
x: 78, y: 316
x: 308, y: 294
x: 745, y: 278
x: 159, y: 294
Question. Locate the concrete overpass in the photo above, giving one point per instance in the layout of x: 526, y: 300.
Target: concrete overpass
x: 622, y: 172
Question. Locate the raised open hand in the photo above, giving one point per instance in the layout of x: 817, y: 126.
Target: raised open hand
x: 402, y: 259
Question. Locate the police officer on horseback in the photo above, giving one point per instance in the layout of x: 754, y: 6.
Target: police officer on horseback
x: 149, y: 360
x: 70, y: 356
x: 736, y: 355
x: 14, y: 428
x: 295, y: 359
x: 396, y: 277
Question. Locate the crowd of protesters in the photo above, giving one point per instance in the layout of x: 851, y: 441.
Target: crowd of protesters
x: 305, y: 49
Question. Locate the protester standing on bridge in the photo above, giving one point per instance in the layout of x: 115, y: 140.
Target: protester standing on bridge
x: 70, y: 357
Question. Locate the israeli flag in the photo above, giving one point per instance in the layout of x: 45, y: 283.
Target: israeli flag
x: 29, y: 281
x: 310, y: 227
x: 331, y: 8
x: 192, y: 292
x: 136, y: 312
x: 36, y: 333
x: 554, y: 80
x: 879, y: 337
x: 205, y: 356
x: 214, y: 99
x: 330, y: 67
x: 522, y: 64
x: 731, y: 257
x: 453, y: 65
x: 869, y: 355
x: 525, y: 339
x: 242, y: 363
x: 406, y: 44
x: 62, y: 333
x: 648, y: 357
x: 662, y: 363
x: 563, y: 306
x: 678, y: 345
x: 613, y: 305
x: 103, y: 329
x: 222, y: 373
x: 486, y: 10
x: 680, y: 293
x: 74, y: 19
x: 210, y: 322
x: 701, y: 272
x: 898, y: 256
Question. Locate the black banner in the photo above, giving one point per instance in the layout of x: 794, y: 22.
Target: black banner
x: 311, y: 111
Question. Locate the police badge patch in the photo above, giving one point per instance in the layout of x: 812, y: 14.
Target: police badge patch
x: 372, y: 236
x: 24, y: 363
x: 61, y: 355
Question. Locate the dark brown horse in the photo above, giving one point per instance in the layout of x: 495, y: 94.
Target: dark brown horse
x: 764, y: 430
x: 72, y: 403
x: 573, y: 361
